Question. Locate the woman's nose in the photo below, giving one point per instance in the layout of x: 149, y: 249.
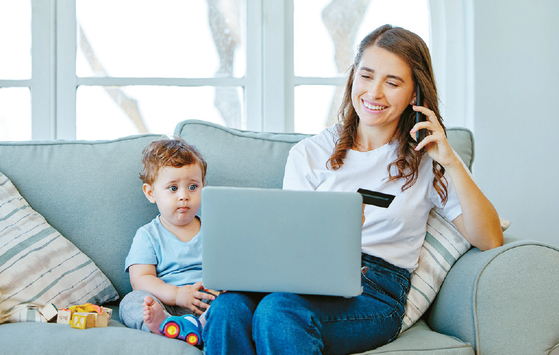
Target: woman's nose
x: 375, y: 90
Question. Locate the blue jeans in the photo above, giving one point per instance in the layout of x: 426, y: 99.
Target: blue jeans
x: 285, y: 323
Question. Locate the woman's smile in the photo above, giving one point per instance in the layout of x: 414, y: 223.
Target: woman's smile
x: 372, y: 106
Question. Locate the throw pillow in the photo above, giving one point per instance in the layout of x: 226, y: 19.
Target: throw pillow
x: 442, y: 247
x: 38, y: 265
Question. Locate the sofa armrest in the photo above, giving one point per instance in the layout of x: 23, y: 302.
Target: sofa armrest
x: 502, y: 301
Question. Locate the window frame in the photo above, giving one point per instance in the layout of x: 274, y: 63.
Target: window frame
x: 269, y: 45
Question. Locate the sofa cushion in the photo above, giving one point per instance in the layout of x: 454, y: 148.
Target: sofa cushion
x: 87, y: 190
x: 55, y: 339
x: 420, y: 339
x: 38, y: 265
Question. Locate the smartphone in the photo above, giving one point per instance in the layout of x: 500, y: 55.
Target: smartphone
x: 419, y: 117
x: 376, y: 198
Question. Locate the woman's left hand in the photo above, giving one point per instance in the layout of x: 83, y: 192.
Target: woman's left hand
x: 435, y: 142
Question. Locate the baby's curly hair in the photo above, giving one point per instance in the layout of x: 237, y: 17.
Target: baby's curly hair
x: 174, y: 152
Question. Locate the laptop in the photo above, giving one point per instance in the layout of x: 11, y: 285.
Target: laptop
x: 271, y: 240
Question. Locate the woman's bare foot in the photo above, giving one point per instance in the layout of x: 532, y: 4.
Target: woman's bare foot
x: 154, y: 314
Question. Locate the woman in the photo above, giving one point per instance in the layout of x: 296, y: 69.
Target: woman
x: 373, y: 148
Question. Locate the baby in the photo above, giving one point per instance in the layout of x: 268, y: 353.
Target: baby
x: 165, y: 259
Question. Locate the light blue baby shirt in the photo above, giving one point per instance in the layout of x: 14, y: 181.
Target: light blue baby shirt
x: 177, y: 263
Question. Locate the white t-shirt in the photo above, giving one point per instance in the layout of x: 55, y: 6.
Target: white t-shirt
x: 394, y: 234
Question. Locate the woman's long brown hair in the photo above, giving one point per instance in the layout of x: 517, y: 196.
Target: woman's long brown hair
x: 411, y: 49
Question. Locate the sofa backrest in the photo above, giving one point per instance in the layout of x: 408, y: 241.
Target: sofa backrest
x: 257, y: 159
x: 240, y: 158
x: 89, y: 191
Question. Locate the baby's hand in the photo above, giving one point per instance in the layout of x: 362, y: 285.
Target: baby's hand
x: 190, y: 296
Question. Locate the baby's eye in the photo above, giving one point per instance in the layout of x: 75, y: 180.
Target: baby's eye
x: 192, y: 187
x: 173, y: 188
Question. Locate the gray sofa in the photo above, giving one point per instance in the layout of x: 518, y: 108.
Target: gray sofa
x: 501, y: 301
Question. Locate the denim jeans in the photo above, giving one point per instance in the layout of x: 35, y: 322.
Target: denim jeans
x: 285, y: 323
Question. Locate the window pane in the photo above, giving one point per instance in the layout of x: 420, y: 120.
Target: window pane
x: 15, y: 39
x: 326, y: 32
x: 15, y: 114
x: 412, y: 15
x: 316, y: 107
x: 110, y: 112
x: 170, y: 38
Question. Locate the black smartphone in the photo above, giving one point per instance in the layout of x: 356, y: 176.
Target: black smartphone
x: 419, y: 117
x: 376, y: 198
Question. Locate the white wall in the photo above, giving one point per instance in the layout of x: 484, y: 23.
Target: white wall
x: 516, y: 74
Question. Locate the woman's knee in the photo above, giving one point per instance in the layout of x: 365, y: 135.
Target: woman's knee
x: 231, y: 306
x: 284, y: 308
x: 285, y: 323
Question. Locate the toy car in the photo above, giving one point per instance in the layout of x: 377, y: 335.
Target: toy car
x: 187, y: 328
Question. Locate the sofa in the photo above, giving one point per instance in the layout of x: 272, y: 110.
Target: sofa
x: 501, y: 301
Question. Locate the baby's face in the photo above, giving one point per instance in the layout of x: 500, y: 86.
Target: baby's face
x: 177, y: 193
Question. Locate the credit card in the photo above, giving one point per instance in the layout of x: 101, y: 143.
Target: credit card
x: 376, y: 198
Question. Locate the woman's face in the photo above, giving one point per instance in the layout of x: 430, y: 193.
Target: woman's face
x: 382, y: 88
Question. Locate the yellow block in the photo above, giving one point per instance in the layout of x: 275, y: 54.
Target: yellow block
x: 83, y: 320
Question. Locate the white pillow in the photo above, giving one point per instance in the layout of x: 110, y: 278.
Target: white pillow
x: 442, y: 247
x: 38, y: 265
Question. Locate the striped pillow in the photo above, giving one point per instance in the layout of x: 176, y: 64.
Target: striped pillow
x: 38, y: 265
x: 442, y: 247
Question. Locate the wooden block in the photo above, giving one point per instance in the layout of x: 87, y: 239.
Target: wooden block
x: 109, y: 312
x: 64, y: 316
x: 49, y: 312
x: 102, y: 320
x: 83, y: 320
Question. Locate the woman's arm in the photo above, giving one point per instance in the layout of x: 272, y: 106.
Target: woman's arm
x: 479, y: 222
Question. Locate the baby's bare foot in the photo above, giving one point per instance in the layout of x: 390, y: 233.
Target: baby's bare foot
x: 154, y: 314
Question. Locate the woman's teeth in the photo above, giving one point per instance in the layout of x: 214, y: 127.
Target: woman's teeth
x: 373, y: 107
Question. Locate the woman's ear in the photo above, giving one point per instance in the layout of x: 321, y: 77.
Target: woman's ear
x: 148, y: 191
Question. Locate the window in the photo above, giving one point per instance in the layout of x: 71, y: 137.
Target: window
x: 109, y: 68
x: 15, y: 70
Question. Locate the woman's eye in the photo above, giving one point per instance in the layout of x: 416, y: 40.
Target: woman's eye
x: 173, y: 188
x: 392, y: 84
